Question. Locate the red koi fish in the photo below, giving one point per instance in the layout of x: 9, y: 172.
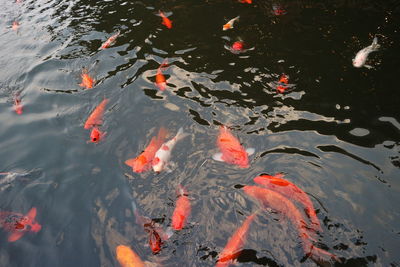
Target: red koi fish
x: 291, y: 191
x: 182, y: 210
x: 96, y: 118
x: 283, y: 83
x: 235, y: 244
x: 143, y: 162
x: 18, y: 224
x: 166, y: 21
x: 156, y: 236
x: 110, y: 41
x: 271, y: 199
x: 87, y: 81
x: 278, y: 10
x: 18, y: 108
x: 245, y: 1
x: 126, y: 257
x: 96, y: 135
x: 238, y: 46
x: 160, y: 78
x: 15, y: 25
x: 232, y: 151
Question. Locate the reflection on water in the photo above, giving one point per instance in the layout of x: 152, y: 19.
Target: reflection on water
x: 331, y: 128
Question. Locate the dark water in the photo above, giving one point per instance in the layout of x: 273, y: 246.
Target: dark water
x: 336, y: 134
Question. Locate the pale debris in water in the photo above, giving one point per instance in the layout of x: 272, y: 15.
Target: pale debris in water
x: 171, y: 106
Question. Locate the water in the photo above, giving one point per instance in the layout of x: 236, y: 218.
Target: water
x: 335, y: 134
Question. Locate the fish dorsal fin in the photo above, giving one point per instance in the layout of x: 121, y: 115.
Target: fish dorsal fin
x: 250, y: 151
x: 279, y: 175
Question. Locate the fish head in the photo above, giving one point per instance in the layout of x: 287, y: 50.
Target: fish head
x: 95, y: 135
x: 158, y: 164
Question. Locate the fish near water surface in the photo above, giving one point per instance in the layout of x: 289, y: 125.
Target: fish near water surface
x: 18, y: 224
x: 165, y: 21
x: 271, y: 199
x: 182, y: 209
x: 96, y: 117
x: 291, y: 191
x: 163, y: 154
x: 126, y: 257
x: 87, y: 81
x: 362, y: 55
x: 96, y: 135
x: 283, y: 83
x: 229, y: 24
x: 144, y: 161
x: 232, y: 151
x: 235, y: 243
x: 160, y: 78
x: 110, y: 41
x: 18, y: 107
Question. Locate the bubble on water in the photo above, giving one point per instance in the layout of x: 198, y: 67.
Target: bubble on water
x: 359, y: 132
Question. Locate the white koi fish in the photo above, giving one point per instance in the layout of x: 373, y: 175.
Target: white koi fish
x: 163, y: 154
x: 229, y: 24
x: 110, y: 41
x: 362, y: 55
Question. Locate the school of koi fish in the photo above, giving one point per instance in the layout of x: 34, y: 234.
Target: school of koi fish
x: 271, y: 192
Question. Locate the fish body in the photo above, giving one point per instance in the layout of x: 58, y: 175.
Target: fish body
x: 278, y: 10
x: 291, y: 191
x: 283, y: 83
x: 232, y: 151
x: 18, y: 108
x: 166, y: 21
x: 229, y: 24
x: 237, y: 46
x: 235, y: 244
x: 362, y: 55
x: 271, y: 199
x: 110, y: 41
x: 18, y: 224
x: 15, y: 25
x: 163, y: 154
x: 87, y: 81
x: 246, y: 1
x: 143, y: 162
x: 96, y: 117
x: 96, y: 135
x: 182, y: 210
x: 160, y: 80
x: 126, y: 257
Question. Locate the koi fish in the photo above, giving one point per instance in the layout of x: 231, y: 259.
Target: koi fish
x: 232, y: 151
x: 110, y: 41
x: 245, y: 1
x: 163, y: 154
x: 291, y: 191
x: 18, y: 108
x: 271, y: 199
x: 182, y: 210
x: 235, y: 244
x: 87, y: 81
x: 229, y: 24
x: 362, y: 55
x: 96, y: 117
x: 160, y: 79
x: 156, y: 236
x: 18, y: 224
x: 15, y: 25
x: 166, y: 21
x: 96, y: 135
x: 283, y: 83
x: 144, y: 161
x: 126, y: 257
x: 278, y: 10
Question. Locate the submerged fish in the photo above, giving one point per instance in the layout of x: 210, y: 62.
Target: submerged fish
x: 166, y: 21
x: 271, y: 199
x: 160, y: 78
x: 96, y: 135
x: 110, y: 41
x: 182, y: 209
x: 291, y: 191
x: 235, y: 243
x: 15, y: 25
x: 18, y: 108
x: 144, y: 161
x: 87, y: 81
x: 163, y: 154
x: 96, y: 117
x: 283, y: 83
x: 362, y: 55
x: 18, y: 224
x: 232, y: 151
x: 126, y: 257
x: 229, y: 24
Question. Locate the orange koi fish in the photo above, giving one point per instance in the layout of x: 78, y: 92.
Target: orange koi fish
x: 246, y: 1
x: 96, y: 135
x: 18, y: 224
x: 160, y: 78
x: 143, y: 162
x: 229, y: 24
x: 87, y: 81
x: 291, y: 191
x: 232, y: 151
x: 110, y: 41
x: 182, y: 210
x: 127, y: 257
x: 235, y: 244
x: 283, y: 83
x: 18, y: 108
x: 96, y: 118
x: 166, y: 21
x: 15, y: 25
x: 271, y: 199
x: 156, y: 236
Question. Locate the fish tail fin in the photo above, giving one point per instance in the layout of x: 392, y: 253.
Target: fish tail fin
x: 375, y: 46
x: 181, y: 134
x: 322, y: 257
x: 237, y: 18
